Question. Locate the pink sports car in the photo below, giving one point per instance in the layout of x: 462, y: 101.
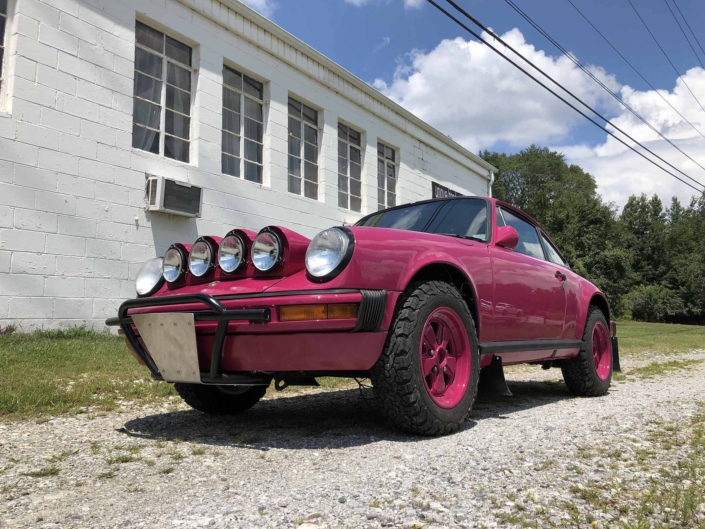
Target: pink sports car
x: 429, y: 300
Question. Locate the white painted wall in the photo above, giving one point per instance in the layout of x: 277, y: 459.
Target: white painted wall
x: 71, y: 185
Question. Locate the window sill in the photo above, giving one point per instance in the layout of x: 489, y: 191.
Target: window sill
x: 149, y: 154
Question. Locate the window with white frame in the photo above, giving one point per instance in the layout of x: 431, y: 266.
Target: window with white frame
x: 303, y: 149
x: 386, y: 176
x: 349, y: 168
x: 162, y: 95
x: 3, y: 23
x: 243, y: 125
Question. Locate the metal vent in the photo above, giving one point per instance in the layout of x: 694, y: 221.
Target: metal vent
x: 182, y: 198
x: 152, y: 183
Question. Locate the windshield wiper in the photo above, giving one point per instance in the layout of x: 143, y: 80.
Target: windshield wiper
x: 467, y: 237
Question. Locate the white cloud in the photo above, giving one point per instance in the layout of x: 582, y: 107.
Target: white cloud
x: 265, y: 7
x: 385, y: 42
x: 467, y: 91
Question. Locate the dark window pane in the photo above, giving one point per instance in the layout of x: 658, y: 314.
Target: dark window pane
x: 391, y: 185
x: 380, y: 149
x: 354, y: 136
x: 3, y: 7
x: 294, y: 108
x: 295, y: 166
x: 310, y: 172
x: 342, y: 149
x: 355, y: 203
x: 253, y: 130
x: 311, y: 190
x: 232, y: 77
x: 412, y: 218
x: 311, y: 135
x: 148, y: 63
x: 148, y: 88
x: 381, y: 181
x: 355, y: 171
x: 177, y: 124
x: 231, y: 100
x: 253, y: 109
x: 149, y: 37
x: 294, y: 127
x: 380, y: 167
x: 146, y: 113
x: 528, y: 239
x: 294, y: 185
x: 231, y: 144
x: 253, y: 172
x: 343, y: 166
x: 310, y: 152
x: 342, y: 131
x: 252, y: 87
x: 355, y: 187
x: 389, y: 153
x: 231, y: 121
x: 391, y: 200
x: 230, y: 165
x: 178, y: 76
x: 463, y: 217
x: 380, y: 197
x: 355, y: 156
x: 391, y: 170
x: 145, y: 139
x: 342, y: 200
x: 294, y: 146
x: 176, y: 148
x: 253, y: 151
x: 343, y: 183
x: 178, y: 51
x: 310, y: 115
x: 178, y: 100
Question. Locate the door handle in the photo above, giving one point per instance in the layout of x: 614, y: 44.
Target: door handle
x: 560, y: 275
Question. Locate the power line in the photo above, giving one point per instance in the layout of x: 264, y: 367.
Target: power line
x: 611, y: 92
x: 656, y: 91
x: 665, y: 54
x: 691, y: 29
x: 684, y: 34
x: 483, y: 41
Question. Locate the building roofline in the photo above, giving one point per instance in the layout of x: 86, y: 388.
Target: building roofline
x: 298, y: 44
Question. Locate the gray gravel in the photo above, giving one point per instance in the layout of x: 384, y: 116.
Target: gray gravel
x: 328, y: 460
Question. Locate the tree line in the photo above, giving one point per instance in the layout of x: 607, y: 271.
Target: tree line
x: 649, y: 259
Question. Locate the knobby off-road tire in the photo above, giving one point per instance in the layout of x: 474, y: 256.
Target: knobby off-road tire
x: 581, y: 372
x: 397, y: 377
x: 211, y: 400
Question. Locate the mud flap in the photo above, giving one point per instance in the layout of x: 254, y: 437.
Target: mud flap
x: 615, y: 355
x: 492, y: 380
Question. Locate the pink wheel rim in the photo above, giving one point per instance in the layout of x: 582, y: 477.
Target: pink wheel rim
x: 601, y: 350
x: 445, y: 357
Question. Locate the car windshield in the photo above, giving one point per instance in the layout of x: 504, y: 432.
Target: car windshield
x: 465, y: 218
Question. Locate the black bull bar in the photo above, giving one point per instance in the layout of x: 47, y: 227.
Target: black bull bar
x: 217, y: 312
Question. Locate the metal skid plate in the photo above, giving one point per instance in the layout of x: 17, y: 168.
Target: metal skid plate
x: 171, y: 341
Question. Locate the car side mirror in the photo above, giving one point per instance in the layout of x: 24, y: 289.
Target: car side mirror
x: 507, y: 237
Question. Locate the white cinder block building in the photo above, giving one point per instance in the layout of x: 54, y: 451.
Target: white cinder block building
x: 97, y: 96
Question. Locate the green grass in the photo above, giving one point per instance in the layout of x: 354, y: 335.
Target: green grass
x: 638, y: 337
x: 52, y: 373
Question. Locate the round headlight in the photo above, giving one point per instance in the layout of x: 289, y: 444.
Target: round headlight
x: 266, y: 251
x: 231, y: 253
x: 173, y: 265
x: 201, y: 258
x: 326, y: 252
x: 149, y: 277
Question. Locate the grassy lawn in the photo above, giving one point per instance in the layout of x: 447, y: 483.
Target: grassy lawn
x: 637, y: 337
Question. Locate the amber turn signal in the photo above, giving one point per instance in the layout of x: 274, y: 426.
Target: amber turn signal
x: 334, y: 311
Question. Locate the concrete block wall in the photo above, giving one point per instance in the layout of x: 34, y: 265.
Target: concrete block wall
x: 73, y: 229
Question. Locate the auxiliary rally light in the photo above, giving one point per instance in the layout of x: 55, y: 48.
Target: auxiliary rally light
x: 333, y: 311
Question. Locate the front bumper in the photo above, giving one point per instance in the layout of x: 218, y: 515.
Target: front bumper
x: 241, y: 341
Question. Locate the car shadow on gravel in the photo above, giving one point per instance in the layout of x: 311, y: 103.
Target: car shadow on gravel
x: 334, y: 419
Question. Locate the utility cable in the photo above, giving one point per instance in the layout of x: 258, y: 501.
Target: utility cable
x: 665, y: 54
x: 656, y: 91
x: 691, y: 29
x: 483, y: 41
x: 684, y: 33
x: 609, y: 90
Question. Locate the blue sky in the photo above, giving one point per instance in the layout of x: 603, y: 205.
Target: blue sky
x: 374, y: 38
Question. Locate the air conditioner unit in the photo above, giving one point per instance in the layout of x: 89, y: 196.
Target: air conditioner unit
x: 171, y: 196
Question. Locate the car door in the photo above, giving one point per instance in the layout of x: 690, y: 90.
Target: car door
x: 570, y: 286
x: 529, y: 298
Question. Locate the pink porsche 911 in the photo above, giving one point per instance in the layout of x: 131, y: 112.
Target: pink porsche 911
x: 428, y: 300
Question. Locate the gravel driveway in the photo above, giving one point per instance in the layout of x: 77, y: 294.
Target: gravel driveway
x: 327, y: 460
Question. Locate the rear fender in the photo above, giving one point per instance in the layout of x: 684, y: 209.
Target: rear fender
x: 590, y: 295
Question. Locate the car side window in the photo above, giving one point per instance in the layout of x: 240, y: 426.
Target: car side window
x: 500, y: 218
x: 529, y: 243
x: 466, y: 217
x: 552, y: 253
